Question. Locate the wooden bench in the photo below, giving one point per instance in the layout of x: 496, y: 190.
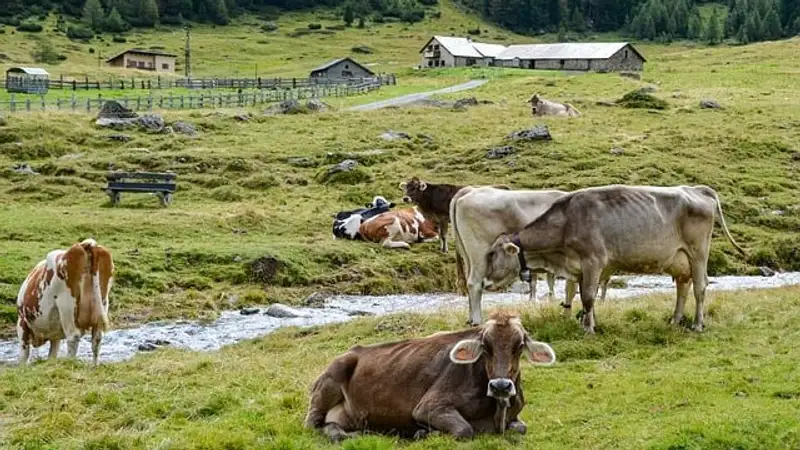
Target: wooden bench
x: 161, y: 184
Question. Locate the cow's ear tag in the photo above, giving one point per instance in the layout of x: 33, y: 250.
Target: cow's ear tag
x: 466, y: 352
x: 423, y: 185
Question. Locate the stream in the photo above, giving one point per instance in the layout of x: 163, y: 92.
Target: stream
x: 233, y: 326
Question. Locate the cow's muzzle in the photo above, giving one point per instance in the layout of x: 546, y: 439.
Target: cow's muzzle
x: 501, y: 388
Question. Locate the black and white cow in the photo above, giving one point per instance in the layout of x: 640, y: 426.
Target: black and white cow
x: 347, y: 223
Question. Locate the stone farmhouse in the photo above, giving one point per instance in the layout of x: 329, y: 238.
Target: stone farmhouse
x: 448, y: 51
x: 141, y: 59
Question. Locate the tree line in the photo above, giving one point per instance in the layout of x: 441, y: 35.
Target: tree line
x: 664, y: 20
x: 119, y: 15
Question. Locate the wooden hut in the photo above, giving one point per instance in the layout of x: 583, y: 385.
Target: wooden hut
x: 27, y: 80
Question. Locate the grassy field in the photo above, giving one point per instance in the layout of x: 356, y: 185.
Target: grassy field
x: 639, y: 384
x: 240, y: 197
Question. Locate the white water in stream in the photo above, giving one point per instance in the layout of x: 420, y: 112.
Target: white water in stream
x: 232, y: 326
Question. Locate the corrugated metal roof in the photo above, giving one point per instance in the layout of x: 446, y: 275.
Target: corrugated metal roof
x: 458, y: 46
x: 142, y: 52
x: 490, y: 50
x: 29, y: 70
x: 337, y: 61
x: 600, y: 50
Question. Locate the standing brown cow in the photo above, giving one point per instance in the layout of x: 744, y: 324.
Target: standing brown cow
x: 433, y: 201
x: 462, y: 383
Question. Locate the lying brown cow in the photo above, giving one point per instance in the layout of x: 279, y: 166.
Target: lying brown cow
x: 398, y: 228
x: 543, y: 107
x: 462, y: 383
x: 433, y: 200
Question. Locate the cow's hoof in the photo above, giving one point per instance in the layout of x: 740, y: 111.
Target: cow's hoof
x: 518, y: 426
x: 697, y: 328
x: 425, y: 433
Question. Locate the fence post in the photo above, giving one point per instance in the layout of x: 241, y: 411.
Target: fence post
x: 88, y: 104
x: 74, y: 85
x: 74, y: 102
x: 201, y: 99
x: 138, y: 103
x: 58, y: 104
x: 159, y: 82
x: 148, y: 84
x: 182, y: 101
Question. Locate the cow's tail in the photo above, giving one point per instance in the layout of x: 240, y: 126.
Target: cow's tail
x: 462, y: 264
x: 100, y: 267
x: 573, y: 109
x: 711, y: 192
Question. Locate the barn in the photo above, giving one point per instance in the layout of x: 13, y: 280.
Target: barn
x: 342, y: 68
x: 601, y: 57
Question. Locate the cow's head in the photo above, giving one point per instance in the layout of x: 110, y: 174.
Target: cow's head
x: 413, y: 189
x: 501, y: 342
x: 380, y: 202
x: 502, y: 264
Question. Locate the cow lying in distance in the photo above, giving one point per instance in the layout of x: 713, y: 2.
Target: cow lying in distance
x: 347, y: 223
x: 479, y: 215
x: 543, y: 107
x: 462, y: 383
x: 433, y: 200
x: 398, y: 229
x: 63, y: 297
x: 590, y: 233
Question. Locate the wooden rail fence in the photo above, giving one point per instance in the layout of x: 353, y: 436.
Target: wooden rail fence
x: 219, y: 100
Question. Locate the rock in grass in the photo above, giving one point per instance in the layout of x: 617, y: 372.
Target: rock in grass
x: 114, y: 110
x: 185, y: 128
x: 500, y: 152
x: 539, y: 133
x: 710, y: 103
x: 766, y: 271
x: 394, y: 135
x: 249, y: 311
x: 25, y: 168
x: 617, y: 151
x: 283, y: 312
x: 152, y: 344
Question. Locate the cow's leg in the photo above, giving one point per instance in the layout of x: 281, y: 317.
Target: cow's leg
x: 55, y: 344
x: 475, y: 292
x: 571, y: 288
x: 97, y: 336
x: 551, y: 285
x: 589, y: 284
x: 446, y: 419
x: 700, y: 281
x: 389, y: 243
x: 443, y: 235
x: 604, y: 289
x: 532, y: 287
x: 24, y: 345
x: 72, y: 335
x: 682, y: 287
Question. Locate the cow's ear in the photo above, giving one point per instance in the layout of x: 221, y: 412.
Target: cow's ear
x: 423, y: 185
x: 511, y: 248
x: 466, y: 352
x: 403, y: 185
x: 539, y: 353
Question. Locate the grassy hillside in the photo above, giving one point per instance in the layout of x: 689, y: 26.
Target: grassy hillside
x: 640, y: 384
x: 241, y: 198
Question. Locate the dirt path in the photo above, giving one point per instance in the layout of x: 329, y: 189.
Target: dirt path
x: 410, y: 98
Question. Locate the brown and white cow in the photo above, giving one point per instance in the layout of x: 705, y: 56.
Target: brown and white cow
x: 398, y: 228
x: 433, y: 200
x: 544, y: 107
x: 63, y: 297
x: 462, y: 383
x: 590, y: 233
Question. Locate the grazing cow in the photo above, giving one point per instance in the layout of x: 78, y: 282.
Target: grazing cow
x: 347, y: 223
x: 398, y: 229
x: 63, y: 297
x: 543, y: 107
x: 462, y: 383
x: 589, y: 233
x: 433, y: 200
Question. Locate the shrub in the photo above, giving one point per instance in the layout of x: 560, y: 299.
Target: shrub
x: 79, y: 32
x: 638, y: 99
x: 428, y: 2
x: 269, y: 27
x: 30, y: 27
x: 119, y: 39
x: 314, y: 26
x: 474, y: 32
x: 413, y: 15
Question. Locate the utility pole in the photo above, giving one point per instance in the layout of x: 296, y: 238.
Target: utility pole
x: 188, y: 54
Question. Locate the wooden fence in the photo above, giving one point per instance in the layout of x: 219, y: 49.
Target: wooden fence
x: 208, y: 83
x: 221, y: 100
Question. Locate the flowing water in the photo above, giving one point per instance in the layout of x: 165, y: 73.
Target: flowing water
x: 232, y: 326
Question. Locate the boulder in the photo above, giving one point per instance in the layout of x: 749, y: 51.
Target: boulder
x: 317, y: 299
x: 152, y: 344
x: 249, y: 311
x: 464, y: 102
x: 617, y: 151
x: 710, y: 103
x: 315, y: 105
x: 24, y: 168
x: 500, y: 152
x: 394, y: 135
x: 185, y: 128
x: 766, y: 271
x: 151, y: 122
x: 116, y: 124
x: 538, y: 133
x: 114, y: 110
x: 345, y: 166
x: 283, y: 312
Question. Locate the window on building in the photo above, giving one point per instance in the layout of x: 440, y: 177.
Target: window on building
x: 347, y: 66
x: 430, y: 63
x: 470, y: 62
x: 140, y: 64
x: 165, y: 66
x: 626, y: 54
x: 561, y: 63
